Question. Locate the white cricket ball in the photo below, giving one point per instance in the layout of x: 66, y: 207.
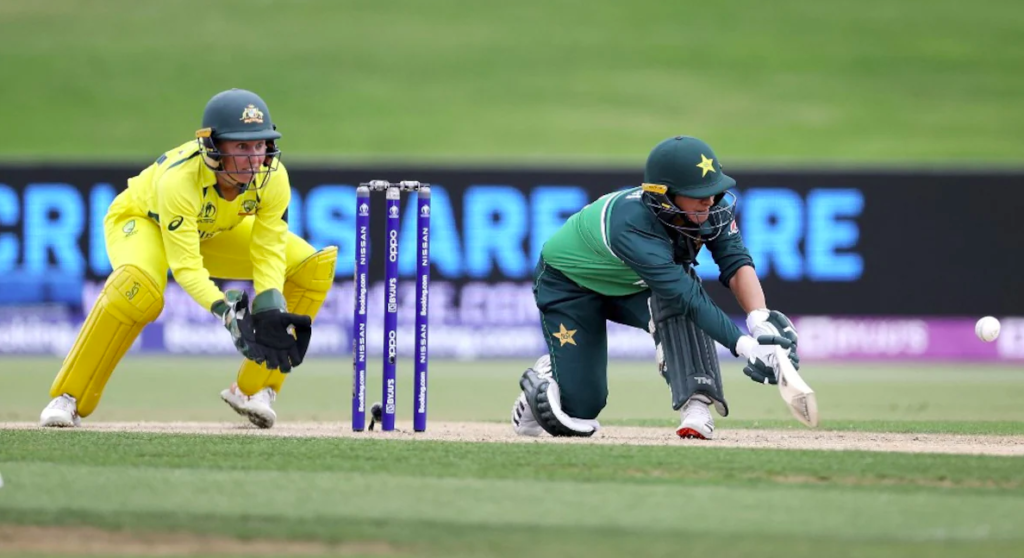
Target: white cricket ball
x: 987, y: 329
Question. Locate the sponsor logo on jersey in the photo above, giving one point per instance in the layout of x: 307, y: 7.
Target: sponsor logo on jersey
x: 209, y: 213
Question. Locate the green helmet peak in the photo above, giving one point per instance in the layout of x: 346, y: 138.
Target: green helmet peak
x: 685, y: 166
x: 238, y: 114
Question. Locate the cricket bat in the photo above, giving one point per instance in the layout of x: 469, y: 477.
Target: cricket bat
x: 795, y: 392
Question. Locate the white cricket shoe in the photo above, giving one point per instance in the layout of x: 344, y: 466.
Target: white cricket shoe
x: 256, y: 407
x: 697, y: 421
x: 543, y: 366
x: 523, y: 421
x: 61, y: 412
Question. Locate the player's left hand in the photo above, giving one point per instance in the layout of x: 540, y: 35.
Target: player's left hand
x: 233, y: 310
x: 773, y: 322
x: 762, y: 364
x: 761, y: 372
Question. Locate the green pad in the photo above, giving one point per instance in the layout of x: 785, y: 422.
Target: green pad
x: 688, y: 359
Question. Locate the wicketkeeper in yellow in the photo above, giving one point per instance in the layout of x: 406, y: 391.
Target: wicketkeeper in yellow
x: 212, y: 207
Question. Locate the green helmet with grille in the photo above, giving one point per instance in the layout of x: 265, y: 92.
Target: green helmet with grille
x: 686, y: 166
x: 238, y: 115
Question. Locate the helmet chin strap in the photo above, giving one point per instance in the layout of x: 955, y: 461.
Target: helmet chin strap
x: 234, y: 182
x: 230, y: 181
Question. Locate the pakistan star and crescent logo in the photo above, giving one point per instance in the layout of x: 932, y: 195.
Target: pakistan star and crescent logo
x: 565, y: 335
x: 706, y: 165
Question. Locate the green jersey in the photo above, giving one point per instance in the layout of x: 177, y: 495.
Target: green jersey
x: 616, y: 246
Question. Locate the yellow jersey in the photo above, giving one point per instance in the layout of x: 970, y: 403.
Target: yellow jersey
x: 180, y: 192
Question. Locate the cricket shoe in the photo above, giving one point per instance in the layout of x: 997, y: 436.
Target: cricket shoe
x: 61, y: 412
x: 523, y: 421
x: 543, y: 366
x: 697, y: 420
x: 256, y: 407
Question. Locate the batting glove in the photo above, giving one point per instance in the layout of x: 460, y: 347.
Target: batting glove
x: 772, y: 322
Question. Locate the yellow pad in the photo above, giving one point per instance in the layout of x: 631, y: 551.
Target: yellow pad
x: 305, y: 291
x: 130, y: 299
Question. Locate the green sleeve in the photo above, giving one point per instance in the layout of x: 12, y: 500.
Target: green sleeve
x: 642, y: 243
x: 729, y: 253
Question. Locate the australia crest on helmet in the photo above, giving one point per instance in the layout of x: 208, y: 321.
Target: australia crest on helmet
x: 252, y: 114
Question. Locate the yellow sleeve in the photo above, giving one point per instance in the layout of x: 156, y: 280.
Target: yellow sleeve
x: 178, y: 201
x: 270, y: 232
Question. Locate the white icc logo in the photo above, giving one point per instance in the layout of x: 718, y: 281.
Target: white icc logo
x: 393, y: 212
x: 425, y: 211
x: 364, y: 210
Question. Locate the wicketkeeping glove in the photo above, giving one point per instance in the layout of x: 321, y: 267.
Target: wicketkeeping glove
x: 773, y: 322
x: 282, y: 337
x: 233, y: 311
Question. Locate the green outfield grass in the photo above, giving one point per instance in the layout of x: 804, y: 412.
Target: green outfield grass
x: 788, y: 81
x: 458, y: 499
x: 910, y: 398
x: 423, y: 498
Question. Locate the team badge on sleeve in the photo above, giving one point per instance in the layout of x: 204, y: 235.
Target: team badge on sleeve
x: 733, y: 228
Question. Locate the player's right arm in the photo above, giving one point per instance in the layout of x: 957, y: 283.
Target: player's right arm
x: 649, y: 253
x: 178, y: 203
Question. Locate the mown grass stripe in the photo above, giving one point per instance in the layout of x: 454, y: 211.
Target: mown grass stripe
x: 632, y: 464
x: 923, y: 516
